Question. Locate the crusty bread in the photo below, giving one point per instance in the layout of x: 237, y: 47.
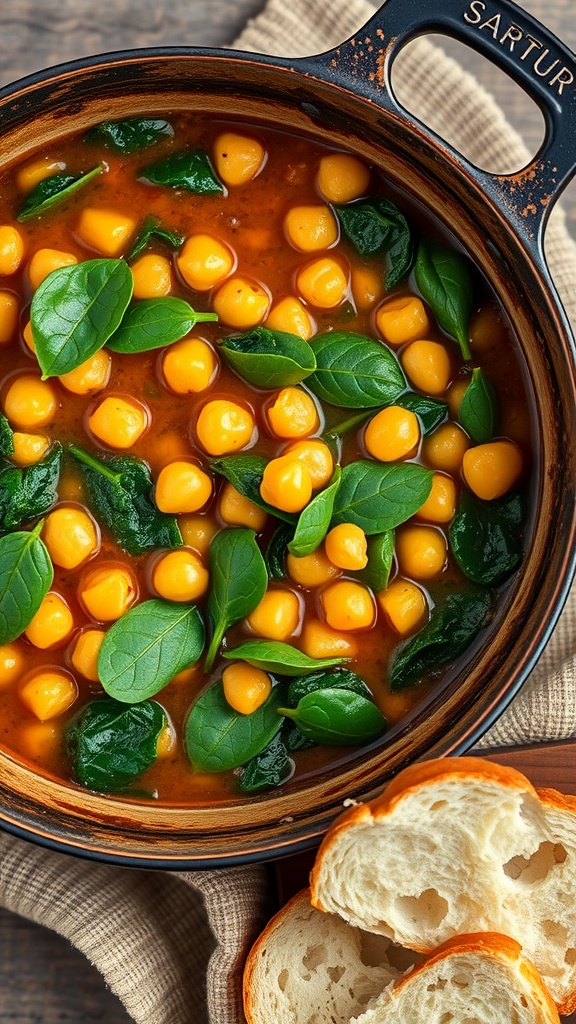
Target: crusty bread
x: 456, y: 846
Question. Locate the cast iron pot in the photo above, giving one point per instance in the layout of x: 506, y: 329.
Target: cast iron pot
x: 344, y: 98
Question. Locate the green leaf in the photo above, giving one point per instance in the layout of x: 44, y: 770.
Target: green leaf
x: 376, y: 225
x: 337, y: 718
x: 120, y: 493
x: 444, y: 282
x: 76, y: 310
x: 380, y: 561
x: 268, y: 769
x: 378, y: 497
x: 29, y: 492
x: 314, y: 520
x: 451, y: 630
x: 153, y: 229
x: 430, y: 411
x: 269, y: 359
x: 131, y: 134
x: 327, y: 679
x: 53, y: 190
x: 147, y: 647
x: 110, y: 744
x: 245, y: 472
x: 355, y: 372
x: 190, y: 169
x: 218, y: 738
x: 26, y: 576
x: 345, y: 426
x: 238, y: 581
x: 6, y: 437
x: 275, y: 555
x: 154, y: 323
x: 486, y: 537
x: 278, y: 658
x: 294, y: 739
x: 478, y: 412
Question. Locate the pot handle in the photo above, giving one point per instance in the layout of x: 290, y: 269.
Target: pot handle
x: 518, y: 44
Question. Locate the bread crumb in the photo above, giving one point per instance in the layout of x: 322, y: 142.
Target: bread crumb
x: 349, y: 802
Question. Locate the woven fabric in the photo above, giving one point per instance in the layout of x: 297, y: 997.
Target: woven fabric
x: 172, y: 946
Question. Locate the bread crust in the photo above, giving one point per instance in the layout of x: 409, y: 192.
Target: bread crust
x: 263, y: 938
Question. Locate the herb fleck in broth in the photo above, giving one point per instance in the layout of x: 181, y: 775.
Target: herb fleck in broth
x: 305, y: 351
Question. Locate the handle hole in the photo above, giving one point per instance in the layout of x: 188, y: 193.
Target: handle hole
x: 468, y: 132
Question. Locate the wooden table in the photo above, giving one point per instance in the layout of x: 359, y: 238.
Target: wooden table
x: 42, y: 979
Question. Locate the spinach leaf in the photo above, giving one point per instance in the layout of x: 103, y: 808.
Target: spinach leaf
x: 268, y: 769
x: 238, y: 581
x: 339, y: 429
x: 337, y: 718
x: 275, y: 556
x: 355, y: 372
x: 131, y: 134
x: 120, y: 492
x: 378, y: 497
x: 478, y: 411
x: 294, y: 739
x: 486, y: 537
x: 218, y: 738
x: 76, y: 310
x: 147, y: 647
x: 450, y: 631
x: 26, y: 576
x: 110, y: 744
x: 245, y: 474
x: 6, y: 437
x: 430, y: 411
x: 380, y: 561
x: 444, y: 282
x: 28, y: 492
x: 269, y: 359
x: 154, y: 323
x: 281, y: 659
x: 326, y: 679
x: 190, y: 169
x: 314, y: 520
x: 154, y: 229
x: 376, y: 225
x: 53, y: 190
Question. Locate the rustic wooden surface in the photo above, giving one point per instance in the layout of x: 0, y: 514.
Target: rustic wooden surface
x: 42, y: 979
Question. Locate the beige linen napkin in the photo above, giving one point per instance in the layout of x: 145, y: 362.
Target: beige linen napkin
x: 172, y: 946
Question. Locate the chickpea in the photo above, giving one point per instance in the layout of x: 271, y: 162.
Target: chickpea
x: 236, y: 510
x: 246, y: 688
x: 293, y: 414
x: 366, y: 287
x: 91, y: 376
x: 402, y: 320
x: 49, y: 693
x: 11, y: 249
x: 286, y: 484
x: 30, y: 403
x: 224, y: 426
x: 440, y: 505
x: 456, y: 393
x: 311, y: 570
x: 346, y: 546
x: 310, y: 228
x: 180, y: 576
x: 427, y: 365
x: 404, y: 606
x: 107, y: 591
x: 277, y: 616
x: 322, y: 283
x: 107, y: 231
x: 71, y: 536
x: 241, y: 303
x: 9, y: 316
x: 342, y: 178
x: 152, y: 276
x: 491, y: 470
x: 421, y: 551
x: 12, y: 665
x: 319, y: 640
x: 197, y: 532
x: 393, y: 433
x: 52, y: 624
x: 33, y: 173
x: 317, y: 458
x: 29, y: 448
x: 118, y: 422
x: 29, y: 337
x: 189, y: 366
x: 290, y: 316
x: 444, y: 448
x: 44, y: 261
x: 182, y: 487
x: 166, y: 742
x: 85, y: 653
x: 348, y: 606
x: 238, y: 158
x: 204, y: 262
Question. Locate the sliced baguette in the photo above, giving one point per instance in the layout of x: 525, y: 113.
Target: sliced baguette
x: 456, y: 846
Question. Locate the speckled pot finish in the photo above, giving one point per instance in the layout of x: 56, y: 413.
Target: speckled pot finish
x: 344, y: 98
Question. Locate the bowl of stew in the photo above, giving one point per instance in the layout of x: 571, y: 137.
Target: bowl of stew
x: 287, y: 402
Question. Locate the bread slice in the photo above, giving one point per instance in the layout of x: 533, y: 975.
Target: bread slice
x: 456, y: 846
